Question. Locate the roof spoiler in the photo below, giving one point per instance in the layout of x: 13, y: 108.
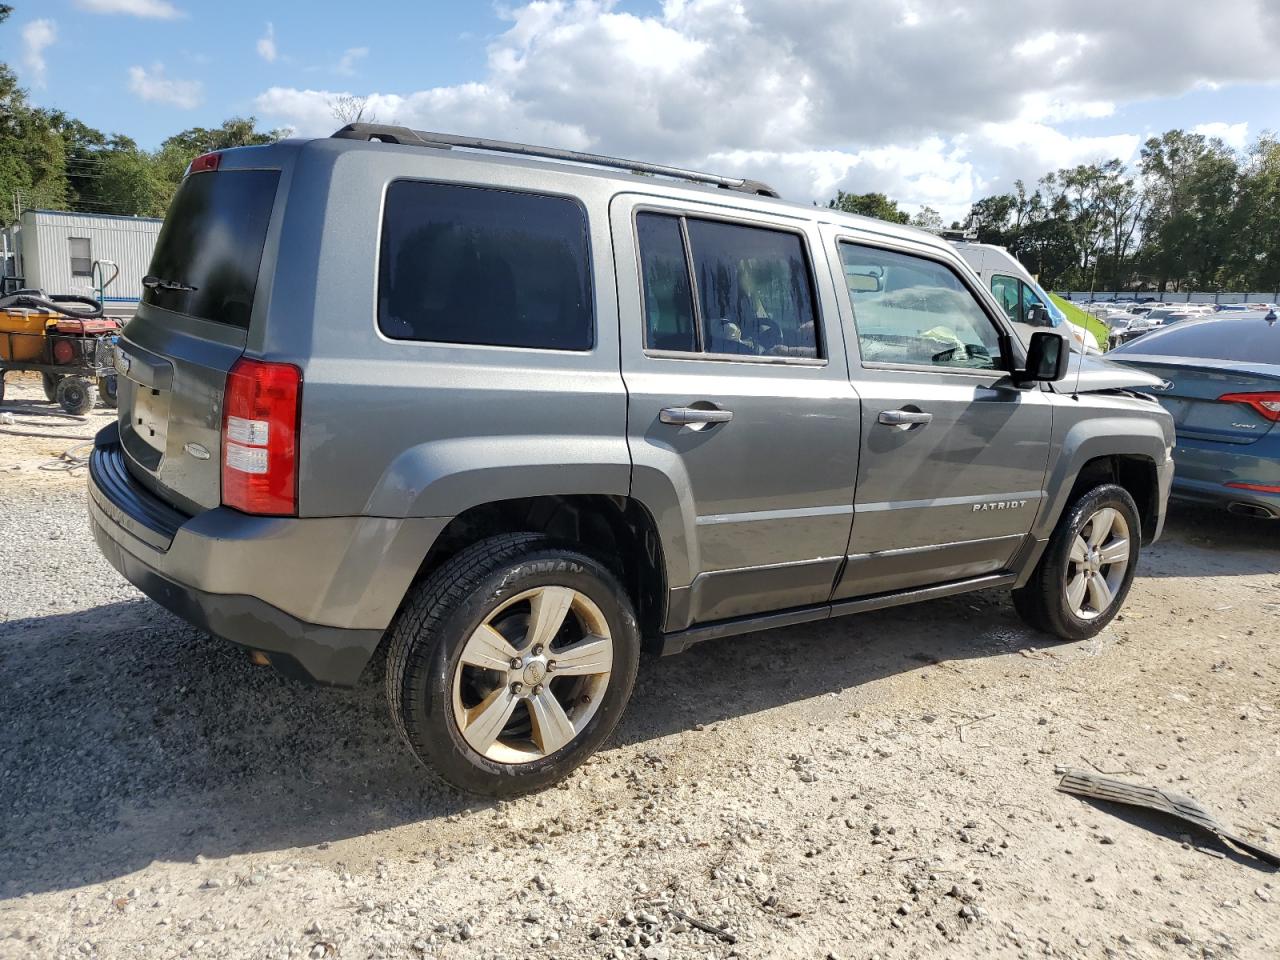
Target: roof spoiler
x: 389, y: 133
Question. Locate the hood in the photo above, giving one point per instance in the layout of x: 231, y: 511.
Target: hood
x: 1096, y: 374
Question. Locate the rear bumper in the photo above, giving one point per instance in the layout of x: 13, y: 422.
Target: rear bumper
x: 1206, y: 467
x: 315, y: 594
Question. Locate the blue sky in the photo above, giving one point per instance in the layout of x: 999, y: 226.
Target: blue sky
x: 930, y: 101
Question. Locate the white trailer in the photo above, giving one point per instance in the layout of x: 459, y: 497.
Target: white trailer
x: 55, y: 252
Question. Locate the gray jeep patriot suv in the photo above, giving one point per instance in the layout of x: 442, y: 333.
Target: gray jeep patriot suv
x: 515, y: 412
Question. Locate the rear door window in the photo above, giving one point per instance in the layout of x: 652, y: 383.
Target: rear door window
x: 750, y: 293
x: 476, y: 265
x: 212, y: 242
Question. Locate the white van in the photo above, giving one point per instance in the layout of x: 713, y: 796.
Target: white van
x: 1026, y: 303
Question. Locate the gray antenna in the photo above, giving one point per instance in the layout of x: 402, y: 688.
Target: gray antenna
x: 1075, y: 391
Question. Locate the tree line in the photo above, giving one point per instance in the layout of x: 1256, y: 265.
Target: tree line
x: 1192, y: 214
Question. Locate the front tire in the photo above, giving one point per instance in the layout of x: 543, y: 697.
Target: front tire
x: 76, y: 395
x: 1087, y: 568
x: 512, y: 663
x: 50, y: 384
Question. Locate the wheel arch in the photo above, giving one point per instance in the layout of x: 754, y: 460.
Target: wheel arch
x: 620, y: 531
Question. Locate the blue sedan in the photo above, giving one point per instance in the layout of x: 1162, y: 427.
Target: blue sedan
x: 1222, y: 386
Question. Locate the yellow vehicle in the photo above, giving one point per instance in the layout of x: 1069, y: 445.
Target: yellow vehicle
x: 66, y: 340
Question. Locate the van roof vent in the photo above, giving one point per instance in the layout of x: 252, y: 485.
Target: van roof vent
x: 389, y: 133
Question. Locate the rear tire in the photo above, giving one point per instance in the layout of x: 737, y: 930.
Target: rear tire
x: 76, y: 395
x: 1066, y: 593
x: 50, y: 384
x: 473, y: 633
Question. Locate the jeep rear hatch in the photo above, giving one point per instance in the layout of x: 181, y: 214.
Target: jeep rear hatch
x: 192, y: 327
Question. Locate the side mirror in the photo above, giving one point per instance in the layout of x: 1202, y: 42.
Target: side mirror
x: 1047, y: 358
x: 1038, y: 316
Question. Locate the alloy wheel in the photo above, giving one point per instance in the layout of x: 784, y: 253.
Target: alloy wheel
x: 1097, y: 563
x: 532, y: 675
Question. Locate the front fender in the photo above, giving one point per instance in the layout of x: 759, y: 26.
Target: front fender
x: 1092, y: 437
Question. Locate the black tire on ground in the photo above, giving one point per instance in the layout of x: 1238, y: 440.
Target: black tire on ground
x: 107, y: 391
x: 1042, y: 602
x: 442, y: 613
x: 50, y: 384
x: 76, y: 395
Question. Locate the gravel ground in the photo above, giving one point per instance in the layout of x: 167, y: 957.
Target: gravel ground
x: 874, y: 786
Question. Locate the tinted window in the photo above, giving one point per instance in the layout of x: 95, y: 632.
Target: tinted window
x: 668, y: 301
x: 212, y: 240
x: 754, y: 292
x: 913, y: 310
x: 476, y: 265
x: 1248, y: 340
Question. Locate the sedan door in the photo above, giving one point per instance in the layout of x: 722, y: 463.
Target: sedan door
x: 742, y: 423
x: 953, y: 455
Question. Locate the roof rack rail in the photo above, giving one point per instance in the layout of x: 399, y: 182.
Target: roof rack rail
x: 390, y: 133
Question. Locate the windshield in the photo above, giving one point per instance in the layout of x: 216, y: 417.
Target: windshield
x: 210, y: 248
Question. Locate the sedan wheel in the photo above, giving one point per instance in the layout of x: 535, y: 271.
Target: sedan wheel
x: 1097, y: 563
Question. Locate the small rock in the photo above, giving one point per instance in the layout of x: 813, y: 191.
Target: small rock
x: 1262, y: 894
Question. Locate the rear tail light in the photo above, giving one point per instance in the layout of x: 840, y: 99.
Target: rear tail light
x: 260, y: 437
x: 1267, y: 404
x: 1260, y: 487
x: 204, y: 162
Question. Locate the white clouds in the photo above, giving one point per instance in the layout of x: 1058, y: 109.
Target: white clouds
x: 154, y: 86
x: 928, y: 100
x: 1234, y: 135
x: 350, y: 57
x: 154, y: 9
x: 37, y: 36
x: 267, y: 44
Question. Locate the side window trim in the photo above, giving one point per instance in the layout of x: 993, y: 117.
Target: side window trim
x: 985, y: 303
x: 683, y: 215
x: 699, y: 335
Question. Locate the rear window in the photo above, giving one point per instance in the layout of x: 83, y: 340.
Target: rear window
x: 212, y: 240
x: 1241, y: 340
x: 482, y: 266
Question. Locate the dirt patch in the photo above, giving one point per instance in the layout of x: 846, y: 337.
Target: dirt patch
x: 877, y: 785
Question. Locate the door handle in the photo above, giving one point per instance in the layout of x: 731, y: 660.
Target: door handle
x: 905, y: 418
x: 686, y: 416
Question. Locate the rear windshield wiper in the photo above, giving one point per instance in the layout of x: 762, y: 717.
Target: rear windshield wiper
x: 159, y: 283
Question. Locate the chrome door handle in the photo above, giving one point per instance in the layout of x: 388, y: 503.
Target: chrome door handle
x: 684, y: 416
x: 904, y: 418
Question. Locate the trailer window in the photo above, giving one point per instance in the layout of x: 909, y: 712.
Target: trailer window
x: 81, y: 256
x: 212, y: 241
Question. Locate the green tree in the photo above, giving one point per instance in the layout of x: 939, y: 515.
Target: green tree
x: 1255, y: 257
x: 1191, y: 185
x: 869, y: 205
x: 32, y: 158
